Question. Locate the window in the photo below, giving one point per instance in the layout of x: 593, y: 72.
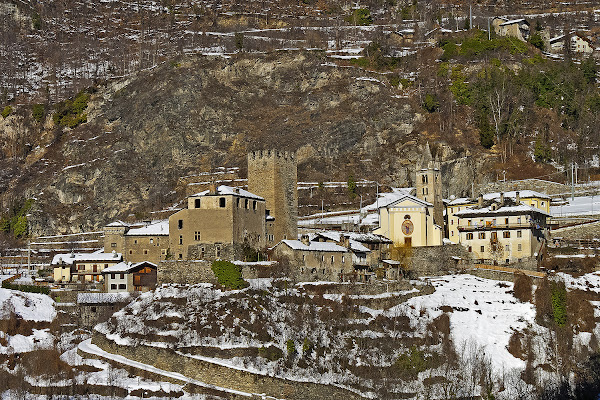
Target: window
x: 469, y: 222
x: 145, y: 251
x: 518, y: 220
x: 197, y: 203
x: 343, y: 259
x: 482, y: 249
x: 254, y: 205
x: 222, y: 202
x: 542, y: 203
x: 105, y: 265
x: 506, y: 221
x: 246, y: 203
x: 237, y: 202
x: 218, y: 251
x: 322, y: 258
x: 469, y: 249
x: 135, y: 241
x: 332, y: 259
x: 112, y: 276
x: 113, y: 286
x: 81, y: 267
x: 151, y: 240
x: 451, y: 222
x: 507, y: 247
x: 122, y: 286
x: 180, y: 256
x: 481, y: 235
x: 506, y: 234
x: 113, y: 245
x: 494, y: 236
x: 180, y: 239
x: 519, y: 247
x: 469, y: 236
x: 303, y: 258
x: 122, y: 276
x: 93, y: 309
x: 519, y: 234
x: 451, y: 233
x: 130, y: 251
x: 180, y: 224
x: 196, y: 235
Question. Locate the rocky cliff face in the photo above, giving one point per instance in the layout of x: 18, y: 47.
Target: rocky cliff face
x: 198, y: 113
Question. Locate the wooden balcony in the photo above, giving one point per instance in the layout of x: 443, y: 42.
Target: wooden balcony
x: 495, y: 227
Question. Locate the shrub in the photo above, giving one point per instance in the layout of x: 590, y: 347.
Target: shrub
x: 70, y: 112
x: 7, y: 111
x: 537, y: 41
x: 271, y: 353
x: 229, y: 275
x: 307, y: 347
x: 412, y: 362
x: 360, y: 16
x: 431, y: 103
x: 291, y: 347
x: 559, y: 303
x: 26, y: 288
x: 522, y: 288
x: 38, y: 111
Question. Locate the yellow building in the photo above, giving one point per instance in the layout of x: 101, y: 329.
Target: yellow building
x: 531, y: 198
x: 83, y: 267
x: 409, y: 222
x: 503, y: 231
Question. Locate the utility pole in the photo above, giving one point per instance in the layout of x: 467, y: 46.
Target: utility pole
x: 572, y: 181
x: 470, y: 17
x: 489, y: 31
x: 29, y: 254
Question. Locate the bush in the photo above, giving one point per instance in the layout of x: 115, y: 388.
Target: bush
x: 537, y: 41
x: 522, y: 288
x: 26, y: 288
x: 229, y: 275
x: 291, y: 347
x: 70, y: 112
x: 307, y: 347
x: 360, y: 16
x: 38, y: 111
x: 431, y: 103
x: 7, y: 111
x: 271, y: 353
x: 409, y: 364
x: 559, y: 303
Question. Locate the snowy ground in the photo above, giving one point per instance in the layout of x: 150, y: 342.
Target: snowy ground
x: 584, y: 205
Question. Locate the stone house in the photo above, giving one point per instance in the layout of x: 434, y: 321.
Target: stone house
x: 502, y: 231
x: 94, y: 308
x: 218, y: 224
x: 531, y: 198
x: 82, y: 267
x: 315, y: 261
x: 129, y: 277
x: 517, y: 28
x: 368, y: 249
x: 148, y: 241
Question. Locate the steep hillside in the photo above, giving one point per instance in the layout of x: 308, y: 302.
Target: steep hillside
x: 196, y: 113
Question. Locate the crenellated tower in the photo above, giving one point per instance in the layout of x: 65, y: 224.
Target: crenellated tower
x: 273, y: 175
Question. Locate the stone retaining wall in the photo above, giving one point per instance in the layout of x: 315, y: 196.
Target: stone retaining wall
x: 436, y: 260
x: 221, y: 376
x: 586, y: 231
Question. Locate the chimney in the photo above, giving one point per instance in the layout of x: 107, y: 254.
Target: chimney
x: 344, y: 241
x: 517, y: 198
x: 304, y: 239
x: 212, y: 188
x: 480, y: 201
x: 501, y: 199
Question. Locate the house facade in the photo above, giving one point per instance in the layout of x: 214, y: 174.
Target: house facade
x: 531, y: 198
x: 138, y: 242
x: 517, y: 28
x: 315, y: 261
x: 502, y: 232
x: 130, y: 277
x: 82, y: 267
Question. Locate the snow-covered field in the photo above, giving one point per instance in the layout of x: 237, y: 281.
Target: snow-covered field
x: 584, y: 205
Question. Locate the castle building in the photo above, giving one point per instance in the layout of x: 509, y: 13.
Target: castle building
x: 219, y: 223
x: 273, y: 176
x: 429, y: 184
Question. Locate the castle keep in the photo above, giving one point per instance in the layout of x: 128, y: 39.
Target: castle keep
x: 273, y: 175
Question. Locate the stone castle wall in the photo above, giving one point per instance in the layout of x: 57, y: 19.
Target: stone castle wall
x: 221, y: 376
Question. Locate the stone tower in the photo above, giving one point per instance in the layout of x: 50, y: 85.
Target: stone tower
x: 429, y: 184
x: 274, y: 175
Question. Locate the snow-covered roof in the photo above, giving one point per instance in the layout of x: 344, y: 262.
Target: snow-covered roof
x: 155, y: 228
x: 125, y: 267
x: 387, y: 198
x: 71, y: 258
x: 314, y: 246
x: 411, y: 198
x: 557, y: 38
x: 392, y: 262
x: 520, y: 209
x: 369, y: 238
x: 102, y: 298
x: 224, y: 190
x: 358, y: 247
x: 118, y: 223
x: 523, y: 194
x: 514, y: 21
